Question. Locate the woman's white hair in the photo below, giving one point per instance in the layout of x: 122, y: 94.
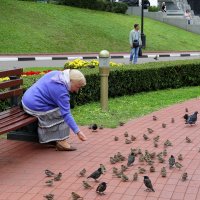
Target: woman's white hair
x: 76, y: 75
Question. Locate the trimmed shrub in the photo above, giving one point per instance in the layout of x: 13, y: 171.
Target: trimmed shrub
x: 153, y: 9
x: 119, y: 7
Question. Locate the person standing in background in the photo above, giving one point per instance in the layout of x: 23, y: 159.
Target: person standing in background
x: 188, y: 16
x: 135, y: 42
x: 163, y: 7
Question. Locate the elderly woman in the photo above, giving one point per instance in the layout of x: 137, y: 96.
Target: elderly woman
x: 49, y: 100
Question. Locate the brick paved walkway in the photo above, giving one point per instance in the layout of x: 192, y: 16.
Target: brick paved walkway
x: 22, y: 164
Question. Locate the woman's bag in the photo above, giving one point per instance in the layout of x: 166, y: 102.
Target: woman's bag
x: 135, y: 43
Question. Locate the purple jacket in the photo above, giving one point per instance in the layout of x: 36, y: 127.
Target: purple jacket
x: 47, y: 94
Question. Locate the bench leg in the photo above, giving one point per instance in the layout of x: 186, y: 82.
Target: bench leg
x: 28, y: 133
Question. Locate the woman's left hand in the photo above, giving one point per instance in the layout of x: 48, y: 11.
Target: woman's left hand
x: 81, y: 136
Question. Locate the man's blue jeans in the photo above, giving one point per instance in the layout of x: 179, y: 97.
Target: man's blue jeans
x: 134, y: 55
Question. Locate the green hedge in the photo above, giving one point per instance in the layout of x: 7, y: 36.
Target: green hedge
x: 131, y: 79
x: 96, y: 5
x: 128, y: 80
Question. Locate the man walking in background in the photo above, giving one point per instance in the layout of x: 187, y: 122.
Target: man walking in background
x: 135, y: 42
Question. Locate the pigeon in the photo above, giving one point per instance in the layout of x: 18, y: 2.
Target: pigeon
x: 152, y: 169
x: 150, y: 130
x: 180, y: 157
x: 76, y: 196
x: 164, y: 125
x: 49, y: 173
x: 171, y: 161
x: 58, y: 177
x: 172, y: 120
x: 148, y: 183
x: 49, y: 182
x: 155, y: 144
x: 141, y: 158
x: 161, y: 159
x: 163, y: 172
x: 184, y: 176
x: 115, y: 170
x: 156, y: 57
x: 82, y: 172
x: 124, y: 178
x: 127, y: 141
x: 116, y: 138
x: 135, y: 176
x: 96, y: 174
x: 103, y: 168
x: 86, y: 185
x: 153, y: 155
x: 154, y: 118
x: 178, y: 165
x: 126, y: 134
x: 188, y: 140
x: 139, y: 151
x: 120, y: 156
x: 141, y: 170
x: 192, y: 118
x: 156, y: 138
x: 101, y: 188
x: 101, y: 127
x: 145, y: 137
x: 49, y: 196
x: 94, y: 127
x: 131, y: 159
x: 186, y: 117
x: 167, y: 143
x: 121, y: 123
x: 186, y: 109
x: 123, y: 168
x: 133, y: 138
x: 165, y: 152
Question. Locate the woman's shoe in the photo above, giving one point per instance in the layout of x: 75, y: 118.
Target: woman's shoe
x: 64, y: 146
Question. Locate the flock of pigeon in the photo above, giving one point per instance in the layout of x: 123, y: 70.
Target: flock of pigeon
x: 148, y: 157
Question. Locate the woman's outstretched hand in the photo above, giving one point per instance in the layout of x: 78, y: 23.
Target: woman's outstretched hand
x: 81, y: 136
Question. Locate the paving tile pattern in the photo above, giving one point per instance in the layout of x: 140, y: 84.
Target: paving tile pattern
x: 22, y: 164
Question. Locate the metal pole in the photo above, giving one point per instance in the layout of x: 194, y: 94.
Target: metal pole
x: 143, y: 37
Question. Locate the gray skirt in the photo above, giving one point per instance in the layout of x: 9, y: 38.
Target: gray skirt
x: 51, y: 125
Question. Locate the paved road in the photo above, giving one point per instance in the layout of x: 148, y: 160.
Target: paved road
x: 60, y: 63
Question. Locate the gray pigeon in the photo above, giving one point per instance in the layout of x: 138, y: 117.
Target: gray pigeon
x: 96, y: 174
x: 148, y: 183
x: 131, y: 159
x: 171, y: 161
x: 192, y: 118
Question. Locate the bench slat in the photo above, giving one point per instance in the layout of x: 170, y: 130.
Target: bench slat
x: 19, y: 124
x: 11, y: 83
x: 11, y: 118
x: 10, y: 111
x: 10, y: 122
x: 11, y: 93
x: 12, y: 72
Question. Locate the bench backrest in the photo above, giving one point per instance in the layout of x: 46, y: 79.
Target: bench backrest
x: 11, y: 88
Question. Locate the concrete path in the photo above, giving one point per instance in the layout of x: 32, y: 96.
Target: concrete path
x: 58, y: 60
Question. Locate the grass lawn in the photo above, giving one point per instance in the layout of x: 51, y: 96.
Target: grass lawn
x: 30, y: 27
x: 129, y: 107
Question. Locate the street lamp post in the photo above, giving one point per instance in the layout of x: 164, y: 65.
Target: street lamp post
x: 104, y: 68
x: 143, y: 36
